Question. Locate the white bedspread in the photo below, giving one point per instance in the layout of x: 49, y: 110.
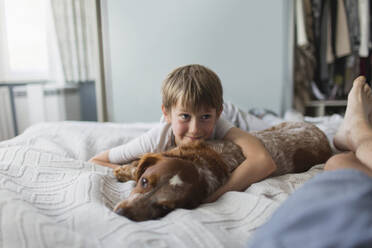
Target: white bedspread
x: 51, y: 197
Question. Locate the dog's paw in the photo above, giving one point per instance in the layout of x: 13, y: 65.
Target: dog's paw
x: 123, y: 173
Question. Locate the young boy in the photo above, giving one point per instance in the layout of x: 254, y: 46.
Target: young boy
x: 192, y: 102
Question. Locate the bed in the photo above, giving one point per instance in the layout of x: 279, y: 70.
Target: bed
x: 51, y: 197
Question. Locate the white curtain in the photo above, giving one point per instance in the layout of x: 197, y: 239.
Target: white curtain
x: 75, y: 24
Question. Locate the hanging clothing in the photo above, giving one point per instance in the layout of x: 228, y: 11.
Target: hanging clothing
x: 324, y: 41
x: 305, y: 61
x: 351, y: 10
x: 342, y: 46
x: 363, y: 6
x: 300, y: 24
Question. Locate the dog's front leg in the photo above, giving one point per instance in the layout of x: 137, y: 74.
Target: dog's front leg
x: 126, y: 172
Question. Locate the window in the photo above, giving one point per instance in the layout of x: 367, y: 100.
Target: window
x: 28, y: 43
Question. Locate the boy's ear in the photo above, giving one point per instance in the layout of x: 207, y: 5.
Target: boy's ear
x: 166, y: 114
x: 219, y: 113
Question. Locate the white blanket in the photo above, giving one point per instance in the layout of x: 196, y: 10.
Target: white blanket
x: 51, y: 197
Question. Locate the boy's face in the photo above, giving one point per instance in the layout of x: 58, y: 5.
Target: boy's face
x: 188, y: 126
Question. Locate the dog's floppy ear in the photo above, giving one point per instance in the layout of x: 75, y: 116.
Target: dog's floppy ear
x: 146, y: 161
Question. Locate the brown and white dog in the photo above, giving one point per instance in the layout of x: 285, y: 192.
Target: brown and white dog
x: 185, y: 176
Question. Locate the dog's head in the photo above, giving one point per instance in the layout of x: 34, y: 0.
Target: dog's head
x: 163, y: 184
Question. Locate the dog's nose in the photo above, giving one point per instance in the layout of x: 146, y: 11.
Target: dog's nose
x: 120, y: 211
x: 128, y: 214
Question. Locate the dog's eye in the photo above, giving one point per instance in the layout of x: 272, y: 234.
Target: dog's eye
x: 166, y: 208
x: 144, y: 182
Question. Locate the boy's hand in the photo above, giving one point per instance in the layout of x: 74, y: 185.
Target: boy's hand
x: 103, y: 159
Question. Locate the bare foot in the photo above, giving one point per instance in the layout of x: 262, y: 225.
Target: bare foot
x: 358, y: 115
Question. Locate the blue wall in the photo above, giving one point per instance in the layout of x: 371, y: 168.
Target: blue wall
x: 246, y: 42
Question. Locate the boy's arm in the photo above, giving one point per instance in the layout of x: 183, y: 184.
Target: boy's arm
x: 103, y: 159
x: 256, y: 167
x: 154, y: 140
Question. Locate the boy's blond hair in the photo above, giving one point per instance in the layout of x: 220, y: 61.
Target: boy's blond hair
x: 195, y: 86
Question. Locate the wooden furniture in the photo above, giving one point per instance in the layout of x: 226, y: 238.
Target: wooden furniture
x: 325, y: 107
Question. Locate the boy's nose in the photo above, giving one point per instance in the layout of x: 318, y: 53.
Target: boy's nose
x: 194, y: 127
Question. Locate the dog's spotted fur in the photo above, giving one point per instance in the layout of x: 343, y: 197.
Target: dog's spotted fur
x: 203, y: 167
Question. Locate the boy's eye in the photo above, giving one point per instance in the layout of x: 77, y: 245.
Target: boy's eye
x: 184, y: 116
x: 206, y: 117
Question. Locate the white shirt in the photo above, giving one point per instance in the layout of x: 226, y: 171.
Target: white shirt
x: 158, y: 139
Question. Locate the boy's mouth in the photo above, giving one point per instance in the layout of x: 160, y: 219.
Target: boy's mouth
x: 194, y: 138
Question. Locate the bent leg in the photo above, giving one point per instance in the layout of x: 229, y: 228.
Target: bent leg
x: 346, y: 161
x: 334, y: 207
x: 364, y: 151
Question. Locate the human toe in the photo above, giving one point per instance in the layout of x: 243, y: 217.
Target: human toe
x: 367, y: 89
x: 359, y: 81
